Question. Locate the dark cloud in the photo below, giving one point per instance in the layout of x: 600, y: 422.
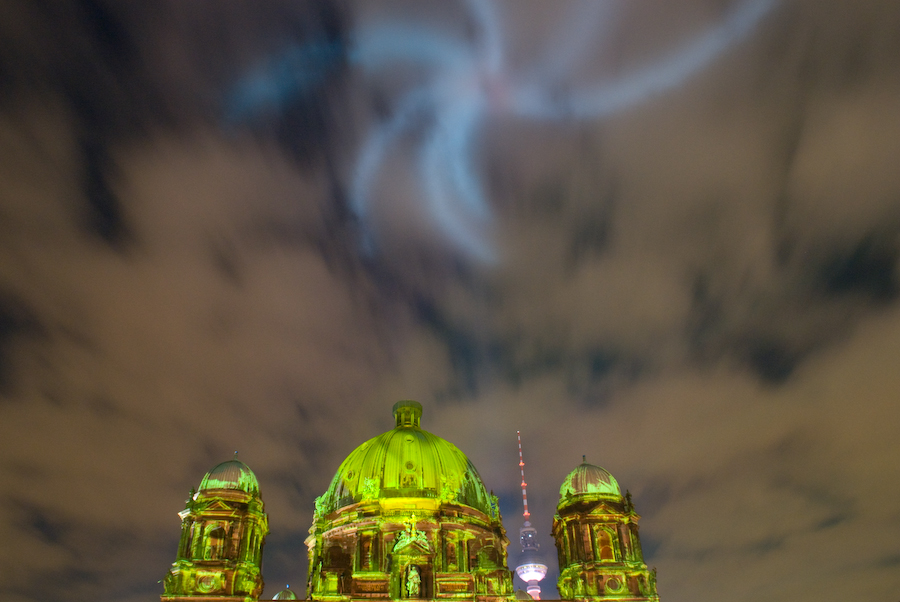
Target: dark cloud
x: 48, y: 529
x: 868, y: 269
x: 104, y: 213
x: 16, y: 320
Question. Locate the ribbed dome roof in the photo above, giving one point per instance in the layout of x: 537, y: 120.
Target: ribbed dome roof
x: 232, y: 474
x: 285, y: 594
x: 406, y: 462
x: 589, y: 480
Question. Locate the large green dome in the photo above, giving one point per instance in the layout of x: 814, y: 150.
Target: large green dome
x: 406, y: 462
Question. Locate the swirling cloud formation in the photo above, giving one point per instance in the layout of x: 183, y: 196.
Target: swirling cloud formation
x: 466, y: 82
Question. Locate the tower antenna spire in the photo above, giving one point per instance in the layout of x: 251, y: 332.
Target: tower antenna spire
x: 530, y: 570
x: 526, y: 513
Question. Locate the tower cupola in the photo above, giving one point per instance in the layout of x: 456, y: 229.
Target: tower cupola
x: 596, y: 534
x: 223, y: 529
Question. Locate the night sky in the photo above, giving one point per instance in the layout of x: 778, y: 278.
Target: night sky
x: 697, y: 290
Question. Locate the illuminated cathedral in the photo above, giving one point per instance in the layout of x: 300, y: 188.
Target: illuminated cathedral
x: 407, y: 517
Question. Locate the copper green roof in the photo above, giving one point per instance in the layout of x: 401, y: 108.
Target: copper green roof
x: 588, y: 481
x: 285, y: 594
x: 406, y: 462
x: 232, y: 474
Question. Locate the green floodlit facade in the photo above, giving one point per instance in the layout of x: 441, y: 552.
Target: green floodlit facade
x: 596, y: 534
x: 223, y: 528
x: 407, y: 517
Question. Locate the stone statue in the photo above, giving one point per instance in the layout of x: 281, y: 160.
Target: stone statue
x: 413, y: 582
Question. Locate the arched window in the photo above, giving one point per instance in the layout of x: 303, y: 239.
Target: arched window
x: 337, y: 558
x: 604, y: 545
x: 215, y: 543
x: 451, y: 557
x: 365, y: 552
x: 471, y: 554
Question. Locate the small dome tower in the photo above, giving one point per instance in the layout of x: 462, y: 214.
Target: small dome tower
x: 223, y: 528
x: 596, y: 533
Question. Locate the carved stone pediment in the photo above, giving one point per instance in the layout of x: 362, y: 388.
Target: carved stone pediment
x: 413, y: 547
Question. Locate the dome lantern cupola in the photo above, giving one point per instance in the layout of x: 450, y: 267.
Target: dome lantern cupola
x: 408, y: 413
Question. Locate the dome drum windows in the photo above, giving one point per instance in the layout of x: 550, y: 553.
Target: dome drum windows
x: 367, y: 556
x: 605, y: 540
x: 214, y: 542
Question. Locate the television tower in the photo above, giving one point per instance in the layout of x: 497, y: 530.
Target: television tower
x: 530, y: 570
